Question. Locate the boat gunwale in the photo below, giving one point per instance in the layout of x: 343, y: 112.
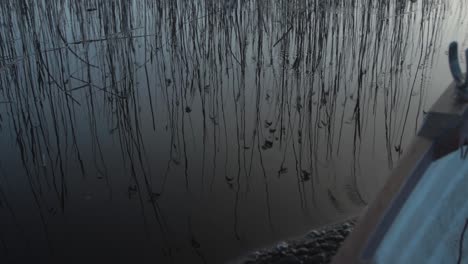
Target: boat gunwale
x: 440, y: 134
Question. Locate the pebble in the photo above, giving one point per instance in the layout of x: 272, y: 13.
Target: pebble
x: 328, y: 246
x: 282, y: 246
x: 337, y: 238
x: 313, y: 234
x: 345, y: 232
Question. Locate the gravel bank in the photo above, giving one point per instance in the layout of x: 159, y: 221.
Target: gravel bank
x: 316, y: 247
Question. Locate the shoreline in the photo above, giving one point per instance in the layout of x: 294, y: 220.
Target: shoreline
x: 316, y: 246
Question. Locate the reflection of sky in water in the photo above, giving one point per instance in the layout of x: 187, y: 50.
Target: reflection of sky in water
x: 241, y: 126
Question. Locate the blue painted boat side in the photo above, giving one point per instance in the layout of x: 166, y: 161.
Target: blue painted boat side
x: 427, y: 229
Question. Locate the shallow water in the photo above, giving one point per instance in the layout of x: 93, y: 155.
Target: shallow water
x: 169, y: 131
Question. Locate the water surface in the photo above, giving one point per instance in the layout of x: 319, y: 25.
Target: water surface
x: 175, y: 131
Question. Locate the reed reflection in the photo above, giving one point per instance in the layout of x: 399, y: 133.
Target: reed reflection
x: 203, y: 121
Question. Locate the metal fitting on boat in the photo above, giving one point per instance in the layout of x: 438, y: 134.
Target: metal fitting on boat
x: 460, y: 80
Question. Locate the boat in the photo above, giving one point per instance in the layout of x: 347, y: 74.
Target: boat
x: 421, y: 213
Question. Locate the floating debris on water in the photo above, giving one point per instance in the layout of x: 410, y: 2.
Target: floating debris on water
x: 305, y: 175
x: 267, y: 145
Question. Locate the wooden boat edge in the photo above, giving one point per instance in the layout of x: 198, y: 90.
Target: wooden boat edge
x: 439, y: 135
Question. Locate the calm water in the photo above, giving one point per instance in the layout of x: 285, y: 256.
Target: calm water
x: 196, y: 130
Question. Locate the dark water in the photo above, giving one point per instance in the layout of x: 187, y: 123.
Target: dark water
x: 193, y: 131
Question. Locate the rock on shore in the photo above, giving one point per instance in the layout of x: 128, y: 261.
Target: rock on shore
x: 316, y: 247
